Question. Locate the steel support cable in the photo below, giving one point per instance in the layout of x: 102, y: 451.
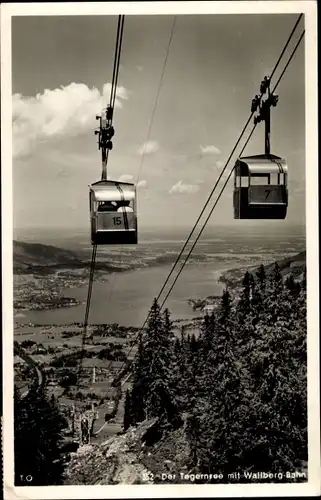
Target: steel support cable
x: 192, y: 231
x: 221, y: 174
x: 289, y: 60
x: 85, y: 326
x: 116, y: 57
x: 120, y: 29
x: 119, y: 37
x: 156, y: 99
x: 227, y: 180
x: 118, y: 61
x: 152, y: 118
x: 113, y: 279
x: 205, y: 223
x: 225, y: 166
x: 285, y: 46
x: 115, y: 61
x: 118, y: 47
x: 216, y: 184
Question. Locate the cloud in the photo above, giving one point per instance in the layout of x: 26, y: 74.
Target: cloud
x: 142, y: 184
x: 180, y: 157
x: 139, y: 68
x: 296, y: 187
x: 182, y: 188
x: 125, y: 178
x: 148, y: 148
x: 63, y: 173
x: 220, y: 164
x: 64, y: 111
x: 210, y: 150
x: 130, y: 178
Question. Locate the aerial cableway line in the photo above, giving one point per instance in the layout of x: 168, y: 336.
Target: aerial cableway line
x: 105, y: 133
x: 124, y: 369
x: 226, y: 182
x: 105, y: 194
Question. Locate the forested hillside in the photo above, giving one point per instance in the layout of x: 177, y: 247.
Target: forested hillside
x: 293, y: 265
x: 40, y: 459
x: 237, y: 392
x: 42, y: 260
x: 36, y: 254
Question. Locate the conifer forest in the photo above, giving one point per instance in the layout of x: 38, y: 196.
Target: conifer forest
x: 241, y: 385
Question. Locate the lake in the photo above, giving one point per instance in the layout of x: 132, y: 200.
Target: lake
x: 127, y: 296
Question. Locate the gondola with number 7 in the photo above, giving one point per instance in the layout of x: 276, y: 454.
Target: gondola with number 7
x: 260, y: 187
x: 260, y: 182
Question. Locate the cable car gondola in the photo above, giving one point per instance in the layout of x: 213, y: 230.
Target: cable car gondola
x: 112, y: 204
x: 113, y: 215
x: 254, y: 199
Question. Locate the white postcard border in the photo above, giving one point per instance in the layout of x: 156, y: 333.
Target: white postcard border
x: 309, y: 8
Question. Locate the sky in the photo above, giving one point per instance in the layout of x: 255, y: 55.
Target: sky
x: 61, y: 74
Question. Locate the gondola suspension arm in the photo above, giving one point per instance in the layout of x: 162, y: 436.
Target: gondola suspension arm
x: 106, y: 130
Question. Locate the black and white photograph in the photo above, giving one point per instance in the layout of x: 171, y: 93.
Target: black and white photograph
x: 160, y: 249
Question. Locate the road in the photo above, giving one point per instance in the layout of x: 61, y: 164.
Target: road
x: 39, y: 375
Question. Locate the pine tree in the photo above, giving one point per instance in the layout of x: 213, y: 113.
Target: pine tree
x: 167, y: 327
x: 258, y: 292
x: 293, y: 287
x: 38, y: 440
x: 206, y: 359
x: 138, y: 392
x: 152, y: 393
x: 276, y: 280
x: 159, y: 398
x: 183, y: 339
x: 193, y: 344
x: 193, y: 434
x: 245, y: 300
x: 180, y: 371
x: 247, y: 406
x: 276, y: 363
x: 127, y: 411
x: 177, y: 347
x: 304, y: 279
x: 207, y: 332
x: 207, y: 341
x: 261, y: 276
x: 221, y: 395
x: 226, y: 306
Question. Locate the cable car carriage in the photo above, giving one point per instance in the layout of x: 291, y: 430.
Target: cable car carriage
x: 260, y: 187
x: 113, y: 213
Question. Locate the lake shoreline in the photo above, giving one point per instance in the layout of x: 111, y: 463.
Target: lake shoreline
x: 78, y: 293
x: 61, y: 298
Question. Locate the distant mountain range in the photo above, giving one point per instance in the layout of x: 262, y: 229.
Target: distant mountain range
x: 41, y: 259
x: 44, y: 259
x: 294, y: 265
x: 33, y: 256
